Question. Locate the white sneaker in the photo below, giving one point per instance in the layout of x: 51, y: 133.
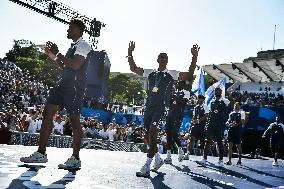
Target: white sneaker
x: 275, y: 163
x: 180, y: 155
x: 186, y: 157
x: 36, y: 157
x: 71, y: 163
x: 157, y: 164
x: 220, y: 164
x: 144, y: 171
x: 202, y: 162
x: 168, y: 160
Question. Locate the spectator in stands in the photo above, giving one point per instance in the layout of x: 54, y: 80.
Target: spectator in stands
x: 24, y: 122
x: 39, y: 123
x: 5, y: 134
x: 120, y: 134
x: 276, y: 130
x: 67, y: 128
x: 58, y: 125
x: 103, y: 133
x: 137, y: 135
x: 69, y: 93
x: 32, y: 122
x: 111, y: 132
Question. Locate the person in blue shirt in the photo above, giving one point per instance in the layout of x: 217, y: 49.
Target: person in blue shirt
x: 159, y: 93
x: 235, y: 122
x: 276, y: 131
x: 215, y: 126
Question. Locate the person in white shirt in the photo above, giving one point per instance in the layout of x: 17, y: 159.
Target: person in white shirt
x: 32, y: 122
x: 110, y: 132
x: 39, y: 122
x: 68, y: 93
x: 104, y: 134
x: 58, y: 126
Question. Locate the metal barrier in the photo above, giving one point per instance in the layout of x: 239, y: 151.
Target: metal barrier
x: 27, y: 139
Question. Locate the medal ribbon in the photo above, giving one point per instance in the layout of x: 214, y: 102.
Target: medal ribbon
x: 158, y: 79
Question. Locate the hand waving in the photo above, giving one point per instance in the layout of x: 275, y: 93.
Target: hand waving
x: 131, y: 46
x: 195, y: 50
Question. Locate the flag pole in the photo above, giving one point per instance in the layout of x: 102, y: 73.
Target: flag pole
x: 274, y: 36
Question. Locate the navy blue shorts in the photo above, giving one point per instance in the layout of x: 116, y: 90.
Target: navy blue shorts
x: 173, y: 125
x: 198, y: 131
x: 214, y: 132
x: 153, y: 117
x: 275, y: 143
x: 234, y: 135
x: 68, y: 98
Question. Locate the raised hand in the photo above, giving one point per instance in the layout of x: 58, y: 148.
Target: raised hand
x: 52, y: 46
x: 131, y: 46
x: 195, y: 50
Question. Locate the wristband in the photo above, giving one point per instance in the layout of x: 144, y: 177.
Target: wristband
x: 128, y: 56
x: 57, y: 54
x: 55, y: 59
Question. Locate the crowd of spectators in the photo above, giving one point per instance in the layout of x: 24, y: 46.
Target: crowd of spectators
x: 259, y: 99
x: 114, y: 107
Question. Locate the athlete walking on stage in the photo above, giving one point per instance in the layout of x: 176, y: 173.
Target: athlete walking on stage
x: 235, y: 122
x: 68, y: 93
x: 276, y: 130
x: 197, y: 128
x: 159, y: 94
x: 215, y: 126
x: 174, y: 120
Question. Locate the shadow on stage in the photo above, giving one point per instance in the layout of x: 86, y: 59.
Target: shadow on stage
x: 24, y: 180
x: 212, y: 183
x: 157, y: 181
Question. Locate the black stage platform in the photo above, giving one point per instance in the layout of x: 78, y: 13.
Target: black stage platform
x: 116, y: 169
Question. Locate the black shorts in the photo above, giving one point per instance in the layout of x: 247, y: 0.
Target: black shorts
x: 234, y: 135
x: 275, y: 143
x: 173, y: 125
x: 214, y: 132
x: 198, y: 131
x: 153, y: 117
x: 68, y: 98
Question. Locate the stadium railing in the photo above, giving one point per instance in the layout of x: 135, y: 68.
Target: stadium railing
x: 28, y: 139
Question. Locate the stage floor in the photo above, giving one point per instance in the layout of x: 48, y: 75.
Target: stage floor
x: 116, y: 169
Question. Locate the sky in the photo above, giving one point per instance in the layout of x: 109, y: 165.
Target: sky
x: 226, y: 31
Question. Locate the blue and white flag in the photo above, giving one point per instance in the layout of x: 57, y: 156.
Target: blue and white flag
x: 210, y: 92
x: 198, y: 85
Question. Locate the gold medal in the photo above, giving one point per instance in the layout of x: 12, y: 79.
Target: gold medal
x: 215, y: 111
x: 155, y: 89
x: 174, y: 102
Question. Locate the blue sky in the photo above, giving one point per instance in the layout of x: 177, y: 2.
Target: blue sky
x: 227, y: 31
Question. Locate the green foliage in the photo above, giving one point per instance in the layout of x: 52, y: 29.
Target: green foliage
x: 126, y: 90
x: 28, y: 57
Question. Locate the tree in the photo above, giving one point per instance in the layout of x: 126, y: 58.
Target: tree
x: 125, y: 90
x: 28, y: 57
